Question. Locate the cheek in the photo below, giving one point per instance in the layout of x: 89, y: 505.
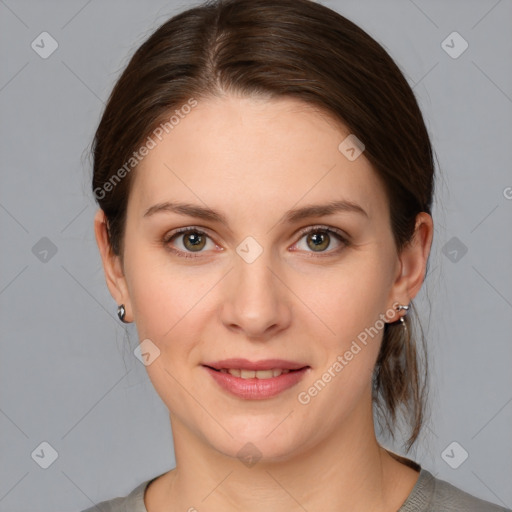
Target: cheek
x: 345, y: 299
x: 343, y: 317
x: 161, y: 295
x: 170, y: 307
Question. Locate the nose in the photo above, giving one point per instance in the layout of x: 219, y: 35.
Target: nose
x: 256, y: 303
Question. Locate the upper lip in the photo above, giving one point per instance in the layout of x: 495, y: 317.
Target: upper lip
x: 245, y: 364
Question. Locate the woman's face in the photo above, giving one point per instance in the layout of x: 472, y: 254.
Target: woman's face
x: 251, y: 284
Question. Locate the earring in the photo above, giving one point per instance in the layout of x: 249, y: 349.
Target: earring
x: 399, y: 307
x: 121, y: 312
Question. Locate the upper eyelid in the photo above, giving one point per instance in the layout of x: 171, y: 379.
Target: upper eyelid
x: 323, y: 227
x: 180, y: 231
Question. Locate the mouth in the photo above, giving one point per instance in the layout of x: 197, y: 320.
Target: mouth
x: 254, y: 374
x: 256, y: 380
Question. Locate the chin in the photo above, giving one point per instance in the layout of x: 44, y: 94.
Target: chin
x: 256, y: 439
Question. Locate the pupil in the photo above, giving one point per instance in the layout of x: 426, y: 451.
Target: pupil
x: 194, y: 240
x: 320, y: 240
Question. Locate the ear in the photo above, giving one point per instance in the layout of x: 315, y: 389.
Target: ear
x: 413, y: 259
x: 112, y: 264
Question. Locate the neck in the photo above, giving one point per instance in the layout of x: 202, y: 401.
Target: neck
x: 344, y: 472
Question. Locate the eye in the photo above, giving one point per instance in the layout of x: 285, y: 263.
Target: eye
x: 193, y: 240
x: 319, y: 238
x: 190, y: 240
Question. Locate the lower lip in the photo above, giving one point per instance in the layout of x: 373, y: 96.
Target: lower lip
x: 257, y: 389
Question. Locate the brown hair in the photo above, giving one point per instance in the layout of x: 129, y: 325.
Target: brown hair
x: 276, y: 48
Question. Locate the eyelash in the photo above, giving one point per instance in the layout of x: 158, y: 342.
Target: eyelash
x: 312, y: 229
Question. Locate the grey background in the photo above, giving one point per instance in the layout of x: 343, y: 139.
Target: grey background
x: 68, y: 374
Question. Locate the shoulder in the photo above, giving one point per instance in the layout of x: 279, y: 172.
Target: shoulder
x: 133, y: 502
x: 432, y: 494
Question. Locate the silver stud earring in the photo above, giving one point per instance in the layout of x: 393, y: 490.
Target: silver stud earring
x: 121, y: 312
x: 399, y: 307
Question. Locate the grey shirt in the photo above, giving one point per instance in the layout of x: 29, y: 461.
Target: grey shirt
x: 429, y: 494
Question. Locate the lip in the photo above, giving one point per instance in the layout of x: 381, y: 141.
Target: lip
x: 266, y: 364
x: 256, y: 389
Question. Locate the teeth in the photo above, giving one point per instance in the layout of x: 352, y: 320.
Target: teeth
x: 251, y: 374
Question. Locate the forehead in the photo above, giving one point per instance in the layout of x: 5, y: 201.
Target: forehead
x: 245, y: 152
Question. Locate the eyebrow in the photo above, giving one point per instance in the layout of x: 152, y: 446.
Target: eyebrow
x: 291, y: 216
